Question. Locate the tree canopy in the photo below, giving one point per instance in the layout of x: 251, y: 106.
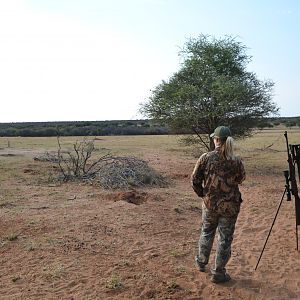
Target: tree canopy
x: 212, y: 88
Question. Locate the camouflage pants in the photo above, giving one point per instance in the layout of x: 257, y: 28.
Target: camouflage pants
x: 211, y: 222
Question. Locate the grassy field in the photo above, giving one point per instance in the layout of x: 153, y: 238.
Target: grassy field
x: 263, y: 153
x: 266, y: 149
x: 115, y: 144
x: 76, y: 241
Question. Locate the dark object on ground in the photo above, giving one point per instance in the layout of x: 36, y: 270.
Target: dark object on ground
x: 200, y: 265
x: 220, y: 278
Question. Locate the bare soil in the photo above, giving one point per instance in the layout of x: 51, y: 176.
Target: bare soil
x: 77, y: 241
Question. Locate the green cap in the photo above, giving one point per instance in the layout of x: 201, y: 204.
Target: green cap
x: 221, y: 132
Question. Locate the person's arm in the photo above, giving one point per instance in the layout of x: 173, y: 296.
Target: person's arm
x: 197, y: 176
x: 241, y: 176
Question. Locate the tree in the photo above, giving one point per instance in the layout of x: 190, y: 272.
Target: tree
x: 212, y: 88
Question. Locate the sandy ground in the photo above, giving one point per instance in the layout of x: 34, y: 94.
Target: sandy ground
x: 76, y: 241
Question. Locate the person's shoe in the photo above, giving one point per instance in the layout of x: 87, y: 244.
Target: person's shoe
x: 200, y: 265
x: 220, y: 278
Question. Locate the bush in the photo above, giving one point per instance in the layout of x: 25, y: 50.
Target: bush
x: 125, y: 172
x: 107, y: 171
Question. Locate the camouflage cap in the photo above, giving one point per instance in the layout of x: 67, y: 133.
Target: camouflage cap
x: 221, y: 132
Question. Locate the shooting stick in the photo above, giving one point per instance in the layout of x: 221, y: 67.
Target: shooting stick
x: 271, y: 228
x: 293, y: 152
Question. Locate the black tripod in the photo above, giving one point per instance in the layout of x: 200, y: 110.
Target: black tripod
x: 293, y: 152
x: 288, y: 192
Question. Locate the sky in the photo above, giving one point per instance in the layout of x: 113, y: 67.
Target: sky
x: 82, y: 60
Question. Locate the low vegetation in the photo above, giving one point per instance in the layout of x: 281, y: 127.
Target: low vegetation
x: 107, y: 171
x: 111, y: 128
x: 82, y: 128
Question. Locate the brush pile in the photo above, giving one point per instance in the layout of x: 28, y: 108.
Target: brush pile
x: 126, y: 172
x: 107, y: 171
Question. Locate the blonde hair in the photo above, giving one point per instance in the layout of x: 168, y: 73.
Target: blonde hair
x: 227, y: 151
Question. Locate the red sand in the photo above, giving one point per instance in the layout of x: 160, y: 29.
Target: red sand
x: 76, y: 241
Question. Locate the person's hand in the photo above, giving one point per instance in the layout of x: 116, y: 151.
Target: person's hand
x: 198, y: 189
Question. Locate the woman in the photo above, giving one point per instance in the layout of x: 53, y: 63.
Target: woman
x: 215, y: 178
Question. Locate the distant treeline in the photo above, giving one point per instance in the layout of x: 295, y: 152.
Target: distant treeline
x: 103, y: 128
x: 286, y: 121
x: 82, y: 128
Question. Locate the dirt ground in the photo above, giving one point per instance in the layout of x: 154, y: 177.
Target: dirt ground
x: 77, y: 241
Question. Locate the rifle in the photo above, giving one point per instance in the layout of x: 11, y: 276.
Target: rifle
x: 293, y: 160
x: 291, y: 188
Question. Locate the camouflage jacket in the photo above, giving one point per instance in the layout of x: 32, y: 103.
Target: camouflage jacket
x: 217, y: 179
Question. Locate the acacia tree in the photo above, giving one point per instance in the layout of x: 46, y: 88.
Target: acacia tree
x: 212, y: 88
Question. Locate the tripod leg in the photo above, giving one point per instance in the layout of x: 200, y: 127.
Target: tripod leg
x: 271, y: 229
x: 297, y: 236
x: 297, y: 214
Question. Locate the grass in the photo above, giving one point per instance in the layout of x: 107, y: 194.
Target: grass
x: 180, y: 270
x: 124, y: 263
x: 55, y: 271
x: 176, y: 253
x: 118, y: 145
x: 7, y: 197
x: 31, y: 246
x: 114, y: 282
x: 265, y: 152
x: 173, y: 285
x: 11, y: 167
x: 15, y: 278
x: 34, y: 143
x: 12, y: 237
x: 254, y: 150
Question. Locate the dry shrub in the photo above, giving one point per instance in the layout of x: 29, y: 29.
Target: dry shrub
x: 126, y: 172
x: 47, y: 157
x: 107, y: 171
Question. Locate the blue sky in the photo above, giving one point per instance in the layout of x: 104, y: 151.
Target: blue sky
x: 98, y: 60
